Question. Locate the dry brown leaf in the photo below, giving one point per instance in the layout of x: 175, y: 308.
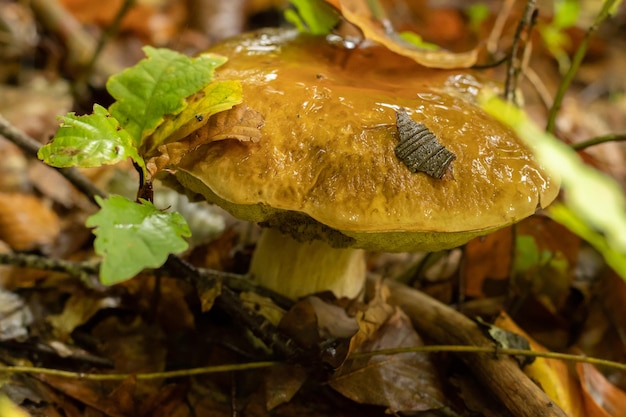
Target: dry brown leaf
x: 263, y: 306
x: 26, y: 223
x: 282, y: 383
x: 359, y: 13
x: 375, y: 315
x: 166, y: 155
x: 552, y: 375
x: 140, y: 19
x: 487, y: 264
x: 401, y: 382
x: 601, y: 398
x: 79, y: 308
x: 91, y: 393
x: 241, y: 123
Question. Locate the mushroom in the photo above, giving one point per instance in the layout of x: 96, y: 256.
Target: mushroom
x: 324, y: 178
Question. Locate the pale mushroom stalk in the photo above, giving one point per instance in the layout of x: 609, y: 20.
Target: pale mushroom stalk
x: 297, y: 269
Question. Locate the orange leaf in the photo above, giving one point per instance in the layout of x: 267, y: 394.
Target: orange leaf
x: 601, y: 398
x: 551, y: 374
x: 359, y: 13
x: 26, y: 223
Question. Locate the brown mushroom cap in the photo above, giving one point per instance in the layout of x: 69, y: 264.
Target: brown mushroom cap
x: 325, y: 166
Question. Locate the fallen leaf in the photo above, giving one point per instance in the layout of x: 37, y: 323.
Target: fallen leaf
x: 487, y: 264
x: 372, y: 317
x: 401, y: 382
x: 551, y: 375
x: 601, y: 398
x: 26, y: 223
x: 378, y: 29
x: 282, y: 383
x: 15, y: 316
x: 263, y: 306
x: 79, y: 308
x: 241, y: 123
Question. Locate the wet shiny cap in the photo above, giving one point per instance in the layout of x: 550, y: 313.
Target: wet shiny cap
x: 325, y: 165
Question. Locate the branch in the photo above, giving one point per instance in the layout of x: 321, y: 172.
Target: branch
x: 501, y: 376
x: 515, y: 63
x: 76, y: 269
x: 613, y: 137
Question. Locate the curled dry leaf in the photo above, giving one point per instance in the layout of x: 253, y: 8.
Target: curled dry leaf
x: 359, y: 13
x: 26, y: 223
x: 240, y: 123
x: 375, y: 315
x: 601, y: 398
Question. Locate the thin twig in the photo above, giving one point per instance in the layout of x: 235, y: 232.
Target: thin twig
x: 76, y: 269
x: 607, y: 6
x: 496, y: 351
x: 613, y: 137
x: 266, y: 364
x: 144, y: 376
x: 515, y: 63
x: 30, y: 147
x: 498, y: 27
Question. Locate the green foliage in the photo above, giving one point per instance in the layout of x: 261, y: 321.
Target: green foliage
x: 605, y: 212
x: 89, y: 141
x: 477, y: 14
x: 555, y: 38
x: 131, y: 237
x: 569, y: 219
x: 214, y: 98
x: 161, y: 99
x: 417, y: 41
x: 566, y: 13
x: 313, y: 16
x: 532, y: 261
x: 157, y: 86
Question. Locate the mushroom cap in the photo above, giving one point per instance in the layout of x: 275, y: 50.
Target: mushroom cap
x: 325, y: 166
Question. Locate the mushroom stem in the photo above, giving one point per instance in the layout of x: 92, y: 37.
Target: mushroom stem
x: 297, y: 269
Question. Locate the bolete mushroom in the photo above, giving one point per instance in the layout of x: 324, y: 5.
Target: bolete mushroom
x: 324, y: 177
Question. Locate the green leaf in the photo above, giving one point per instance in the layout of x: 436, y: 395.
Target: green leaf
x: 89, y: 141
x: 158, y: 86
x: 313, y: 16
x: 131, y: 237
x: 566, y: 13
x: 477, y: 13
x: 569, y: 219
x: 214, y: 98
x: 417, y: 41
x: 593, y: 197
